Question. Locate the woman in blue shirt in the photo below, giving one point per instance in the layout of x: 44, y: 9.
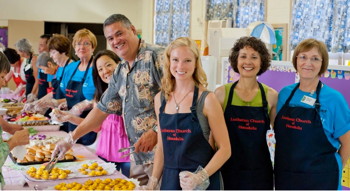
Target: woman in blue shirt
x: 312, y: 126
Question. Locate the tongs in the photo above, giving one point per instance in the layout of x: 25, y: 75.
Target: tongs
x: 51, y: 163
x: 125, y: 149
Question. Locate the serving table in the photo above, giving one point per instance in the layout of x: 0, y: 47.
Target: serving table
x: 14, y: 174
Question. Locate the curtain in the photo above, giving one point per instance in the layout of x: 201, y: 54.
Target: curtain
x: 242, y: 12
x: 172, y: 20
x: 325, y: 20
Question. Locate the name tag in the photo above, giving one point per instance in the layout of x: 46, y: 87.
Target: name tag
x: 308, y: 100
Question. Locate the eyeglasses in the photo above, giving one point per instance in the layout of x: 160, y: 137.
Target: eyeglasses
x: 312, y: 59
x: 83, y: 44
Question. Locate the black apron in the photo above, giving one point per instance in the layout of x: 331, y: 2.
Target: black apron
x: 57, y: 93
x: 304, y: 158
x: 184, y: 146
x: 249, y: 166
x: 43, y: 84
x: 74, y: 95
x: 30, y: 79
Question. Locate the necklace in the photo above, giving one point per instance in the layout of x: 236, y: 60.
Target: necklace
x: 178, y: 104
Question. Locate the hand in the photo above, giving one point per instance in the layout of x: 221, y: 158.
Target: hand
x: 146, y: 142
x: 80, y: 107
x: 13, y: 128
x: 61, y: 148
x: 19, y: 138
x: 31, y: 97
x: 198, y: 180
x: 60, y: 116
x: 29, y: 107
x: 63, y: 106
x: 46, y: 103
x: 151, y: 185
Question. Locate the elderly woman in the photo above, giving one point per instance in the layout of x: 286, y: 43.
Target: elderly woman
x: 312, y: 126
x: 77, y: 82
x: 30, y: 69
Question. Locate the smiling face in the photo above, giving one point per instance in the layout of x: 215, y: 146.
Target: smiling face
x: 122, y: 40
x: 182, y: 63
x: 83, y: 48
x: 248, y: 62
x: 309, y: 64
x: 105, y: 68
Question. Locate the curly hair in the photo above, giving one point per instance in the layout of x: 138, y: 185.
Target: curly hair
x: 168, y: 80
x: 255, y: 44
x: 307, y: 45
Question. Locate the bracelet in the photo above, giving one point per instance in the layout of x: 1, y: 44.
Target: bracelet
x: 70, y: 138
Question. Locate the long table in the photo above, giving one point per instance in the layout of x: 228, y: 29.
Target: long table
x: 14, y: 174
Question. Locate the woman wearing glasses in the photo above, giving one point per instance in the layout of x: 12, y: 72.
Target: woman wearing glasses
x: 312, y: 126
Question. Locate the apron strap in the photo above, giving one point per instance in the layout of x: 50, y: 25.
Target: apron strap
x: 86, y: 71
x: 194, y: 104
x: 230, y: 95
x: 265, y: 104
x: 317, y: 103
x: 64, y: 68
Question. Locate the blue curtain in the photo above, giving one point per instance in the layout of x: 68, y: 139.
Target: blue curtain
x: 325, y: 20
x: 242, y: 12
x: 172, y: 20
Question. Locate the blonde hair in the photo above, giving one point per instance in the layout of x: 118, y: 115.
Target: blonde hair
x: 84, y: 33
x: 168, y: 80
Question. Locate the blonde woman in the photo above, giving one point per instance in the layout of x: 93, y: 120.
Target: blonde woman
x: 187, y: 115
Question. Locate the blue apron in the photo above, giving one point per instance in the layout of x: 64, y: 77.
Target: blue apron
x: 30, y: 79
x: 249, y: 166
x: 184, y: 146
x: 57, y: 92
x: 304, y: 158
x: 74, y: 95
x: 43, y: 84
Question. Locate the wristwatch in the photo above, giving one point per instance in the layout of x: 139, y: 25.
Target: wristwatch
x: 155, y: 128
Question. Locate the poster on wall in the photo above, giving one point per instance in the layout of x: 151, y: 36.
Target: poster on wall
x: 3, y: 36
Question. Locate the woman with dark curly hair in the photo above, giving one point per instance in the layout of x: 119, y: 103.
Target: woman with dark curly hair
x: 249, y: 109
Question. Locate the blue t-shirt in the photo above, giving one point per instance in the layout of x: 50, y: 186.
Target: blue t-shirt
x: 88, y: 86
x: 334, y: 113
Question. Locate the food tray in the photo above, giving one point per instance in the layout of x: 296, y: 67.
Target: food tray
x: 33, y: 122
x: 38, y: 162
x: 45, y: 127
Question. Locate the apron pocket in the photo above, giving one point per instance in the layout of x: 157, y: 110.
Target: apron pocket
x: 307, y: 181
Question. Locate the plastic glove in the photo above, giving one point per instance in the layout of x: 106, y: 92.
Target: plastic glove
x: 63, y: 146
x: 19, y: 90
x: 63, y: 106
x: 60, y: 116
x: 80, y: 107
x: 151, y: 185
x: 46, y: 103
x: 198, y: 180
x: 31, y: 97
x: 29, y: 107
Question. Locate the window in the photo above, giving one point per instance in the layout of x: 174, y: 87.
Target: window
x: 172, y: 20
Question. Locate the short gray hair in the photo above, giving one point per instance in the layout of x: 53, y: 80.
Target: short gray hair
x: 24, y: 45
x: 43, y: 59
x: 117, y: 18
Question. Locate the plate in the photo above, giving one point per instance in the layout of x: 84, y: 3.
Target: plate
x: 70, y: 176
x: 37, y: 162
x: 109, y: 167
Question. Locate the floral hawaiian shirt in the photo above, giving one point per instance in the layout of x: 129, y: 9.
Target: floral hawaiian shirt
x: 131, y: 92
